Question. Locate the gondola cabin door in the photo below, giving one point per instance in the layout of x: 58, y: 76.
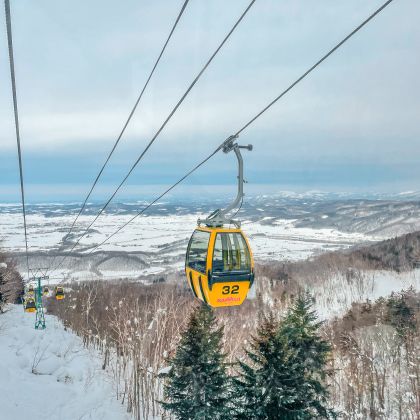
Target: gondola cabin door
x: 219, y: 266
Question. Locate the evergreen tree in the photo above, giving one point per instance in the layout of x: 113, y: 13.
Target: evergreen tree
x: 20, y: 295
x: 400, y: 313
x: 263, y: 385
x: 197, y: 385
x: 284, y: 379
x: 4, y: 292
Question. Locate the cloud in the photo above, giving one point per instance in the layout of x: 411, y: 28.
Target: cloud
x: 79, y: 75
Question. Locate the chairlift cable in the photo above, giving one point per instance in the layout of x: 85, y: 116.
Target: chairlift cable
x: 314, y: 66
x: 126, y: 123
x: 165, y: 122
x: 246, y: 125
x: 144, y: 209
x: 15, y: 108
x: 251, y: 121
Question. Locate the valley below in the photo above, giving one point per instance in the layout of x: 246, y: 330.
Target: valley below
x: 281, y: 227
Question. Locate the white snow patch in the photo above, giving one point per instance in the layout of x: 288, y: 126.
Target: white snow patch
x: 165, y: 370
x: 52, y: 368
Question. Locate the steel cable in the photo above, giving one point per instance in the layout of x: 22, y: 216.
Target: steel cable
x: 144, y: 209
x: 15, y: 108
x: 125, y: 125
x: 164, y: 124
x: 314, y: 66
x: 250, y: 122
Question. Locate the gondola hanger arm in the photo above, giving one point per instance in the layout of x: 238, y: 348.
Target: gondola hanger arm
x: 218, y: 217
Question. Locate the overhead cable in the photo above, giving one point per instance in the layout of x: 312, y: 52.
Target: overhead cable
x: 126, y: 123
x: 246, y: 125
x: 154, y: 201
x: 314, y: 66
x: 144, y: 209
x: 15, y: 108
x: 166, y: 121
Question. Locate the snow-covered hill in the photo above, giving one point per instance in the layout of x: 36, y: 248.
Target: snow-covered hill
x: 282, y: 226
x: 154, y: 245
x: 48, y: 374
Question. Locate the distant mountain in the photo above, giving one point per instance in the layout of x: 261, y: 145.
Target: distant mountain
x: 328, y: 196
x: 378, y: 217
x: 376, y: 214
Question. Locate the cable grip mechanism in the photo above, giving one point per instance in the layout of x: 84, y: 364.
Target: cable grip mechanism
x: 218, y: 217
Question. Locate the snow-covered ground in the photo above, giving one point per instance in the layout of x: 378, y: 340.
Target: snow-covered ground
x: 151, y: 233
x: 282, y: 240
x: 48, y: 374
x: 161, y: 241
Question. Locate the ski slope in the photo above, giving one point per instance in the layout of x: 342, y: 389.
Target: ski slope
x: 48, y: 374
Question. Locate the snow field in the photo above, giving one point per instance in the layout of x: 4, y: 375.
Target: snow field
x: 146, y: 233
x: 48, y: 373
x: 283, y: 241
x: 164, y: 240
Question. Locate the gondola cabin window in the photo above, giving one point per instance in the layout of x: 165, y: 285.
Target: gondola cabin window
x: 231, y: 253
x: 197, y: 251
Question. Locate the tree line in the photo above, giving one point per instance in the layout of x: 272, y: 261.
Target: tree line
x: 12, y: 288
x: 249, y: 357
x: 368, y: 359
x: 372, y: 349
x: 376, y: 350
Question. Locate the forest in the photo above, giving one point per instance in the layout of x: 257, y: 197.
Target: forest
x: 368, y: 364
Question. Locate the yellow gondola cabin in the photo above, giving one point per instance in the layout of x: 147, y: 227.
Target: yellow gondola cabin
x: 59, y: 292
x: 30, y: 305
x: 219, y: 266
x: 31, y: 290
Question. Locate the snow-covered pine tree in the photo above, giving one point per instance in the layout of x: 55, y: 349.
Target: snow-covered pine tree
x: 197, y: 385
x: 284, y: 378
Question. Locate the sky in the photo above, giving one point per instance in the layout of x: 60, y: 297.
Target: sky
x: 352, y: 125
